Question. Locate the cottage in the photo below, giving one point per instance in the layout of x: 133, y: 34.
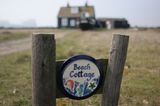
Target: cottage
x: 70, y: 16
x: 113, y: 23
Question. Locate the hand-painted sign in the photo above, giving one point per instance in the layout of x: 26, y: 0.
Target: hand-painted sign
x: 80, y: 77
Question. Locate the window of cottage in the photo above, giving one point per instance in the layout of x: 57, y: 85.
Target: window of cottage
x: 64, y: 22
x: 72, y: 22
x: 74, y: 10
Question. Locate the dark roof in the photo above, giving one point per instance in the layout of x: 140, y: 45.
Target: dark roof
x: 66, y: 11
x: 111, y: 19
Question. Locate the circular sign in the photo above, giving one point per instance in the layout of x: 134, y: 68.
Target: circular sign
x: 80, y: 77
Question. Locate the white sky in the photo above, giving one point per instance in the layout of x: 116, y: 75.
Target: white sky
x: 44, y: 12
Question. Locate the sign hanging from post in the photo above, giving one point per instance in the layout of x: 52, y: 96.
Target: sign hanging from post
x: 80, y: 77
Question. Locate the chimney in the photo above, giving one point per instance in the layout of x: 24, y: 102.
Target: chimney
x: 68, y: 4
x: 86, y: 4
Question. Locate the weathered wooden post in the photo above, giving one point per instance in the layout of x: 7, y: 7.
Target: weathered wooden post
x: 43, y: 70
x: 111, y: 90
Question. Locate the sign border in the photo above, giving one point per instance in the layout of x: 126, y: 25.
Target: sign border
x: 70, y: 60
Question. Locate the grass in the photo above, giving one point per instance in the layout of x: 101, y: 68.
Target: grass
x: 141, y: 80
x: 15, y: 34
x: 6, y: 36
x: 15, y: 80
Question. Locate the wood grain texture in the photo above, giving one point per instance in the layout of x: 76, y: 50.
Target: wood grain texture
x: 43, y: 70
x: 111, y: 90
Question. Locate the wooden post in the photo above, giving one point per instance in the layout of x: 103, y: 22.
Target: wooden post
x: 43, y: 70
x: 111, y: 90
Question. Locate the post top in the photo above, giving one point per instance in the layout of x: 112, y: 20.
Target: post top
x: 39, y: 33
x: 121, y: 35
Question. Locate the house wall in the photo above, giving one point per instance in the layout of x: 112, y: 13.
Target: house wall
x: 76, y: 22
x: 59, y: 23
x: 68, y: 23
x: 112, y: 24
x: 121, y: 24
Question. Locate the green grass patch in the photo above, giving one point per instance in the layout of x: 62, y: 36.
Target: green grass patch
x: 15, y: 80
x: 141, y: 81
x: 9, y: 35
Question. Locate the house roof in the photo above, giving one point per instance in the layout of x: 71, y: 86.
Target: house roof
x: 67, y: 11
x: 111, y: 19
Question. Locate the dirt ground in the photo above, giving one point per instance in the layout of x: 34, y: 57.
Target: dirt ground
x: 140, y: 85
x: 15, y: 46
x: 12, y: 46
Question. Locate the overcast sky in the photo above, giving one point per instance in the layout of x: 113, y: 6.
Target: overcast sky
x: 44, y: 12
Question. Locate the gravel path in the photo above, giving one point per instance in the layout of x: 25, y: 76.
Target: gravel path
x: 17, y: 45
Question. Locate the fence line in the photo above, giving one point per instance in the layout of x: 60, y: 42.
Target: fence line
x: 45, y: 68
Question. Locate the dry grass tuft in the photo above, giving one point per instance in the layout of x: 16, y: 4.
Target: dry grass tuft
x: 141, y: 81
